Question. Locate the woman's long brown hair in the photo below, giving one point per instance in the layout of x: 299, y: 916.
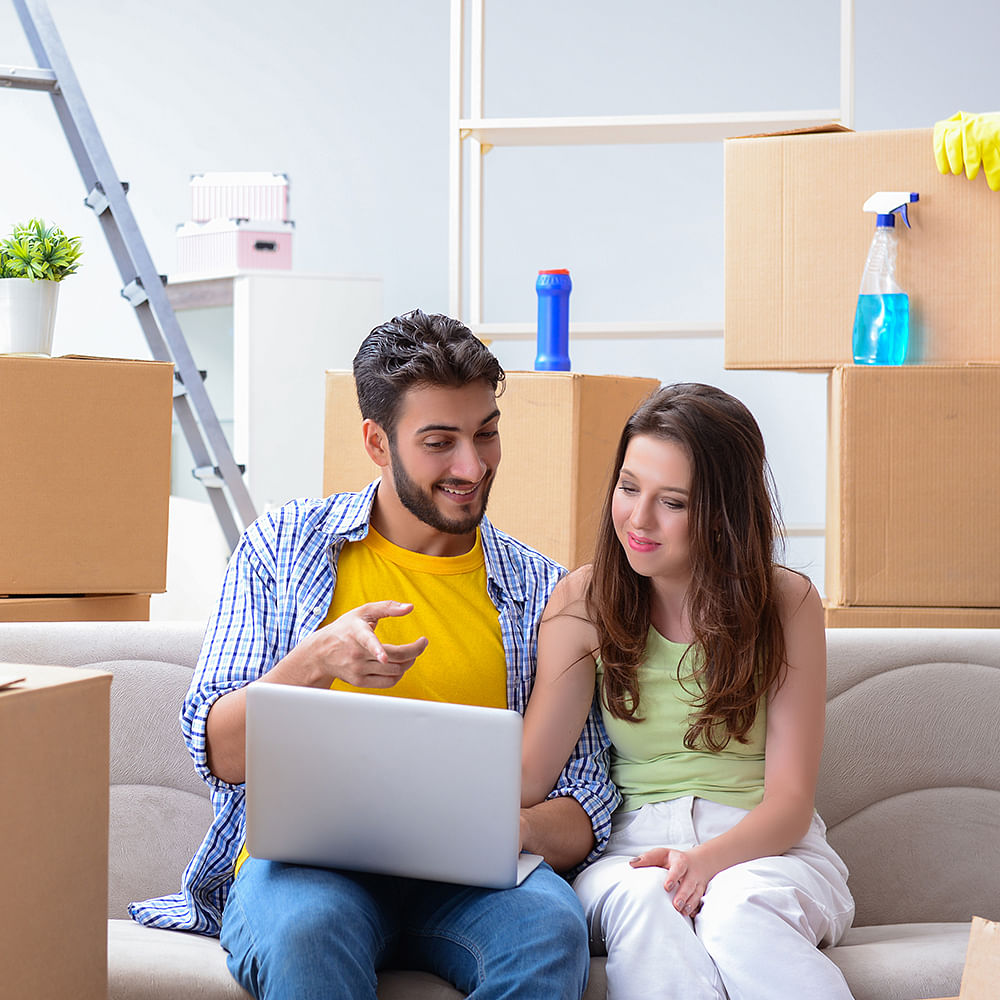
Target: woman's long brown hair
x: 734, y: 523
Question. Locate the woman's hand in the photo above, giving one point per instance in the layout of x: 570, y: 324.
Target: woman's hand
x: 688, y: 875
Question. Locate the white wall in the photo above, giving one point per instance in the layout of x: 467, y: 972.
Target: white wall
x: 351, y: 100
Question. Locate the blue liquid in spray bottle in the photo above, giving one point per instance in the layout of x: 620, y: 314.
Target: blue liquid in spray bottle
x: 882, y: 317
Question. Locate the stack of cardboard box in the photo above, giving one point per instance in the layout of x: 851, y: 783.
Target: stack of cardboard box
x: 912, y: 534
x: 559, y: 432
x: 84, y: 487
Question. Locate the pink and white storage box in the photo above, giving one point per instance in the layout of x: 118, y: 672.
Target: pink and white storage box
x: 225, y: 245
x: 239, y: 195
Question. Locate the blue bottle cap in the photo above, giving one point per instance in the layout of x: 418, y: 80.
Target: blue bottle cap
x: 885, y: 220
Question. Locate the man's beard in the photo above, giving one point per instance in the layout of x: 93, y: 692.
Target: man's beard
x: 421, y: 504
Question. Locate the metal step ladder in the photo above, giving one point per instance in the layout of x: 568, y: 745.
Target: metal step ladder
x: 143, y: 287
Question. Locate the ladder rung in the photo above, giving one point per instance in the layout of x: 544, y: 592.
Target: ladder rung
x: 135, y: 293
x: 180, y: 389
x: 98, y: 200
x: 211, y: 477
x: 28, y: 78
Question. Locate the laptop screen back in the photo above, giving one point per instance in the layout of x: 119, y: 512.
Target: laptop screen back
x: 388, y: 785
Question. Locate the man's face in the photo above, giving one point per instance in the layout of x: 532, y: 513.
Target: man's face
x: 445, y: 452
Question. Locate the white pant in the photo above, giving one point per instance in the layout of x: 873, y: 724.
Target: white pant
x: 756, y: 935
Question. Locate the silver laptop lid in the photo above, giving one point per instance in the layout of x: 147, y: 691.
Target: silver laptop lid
x: 380, y: 784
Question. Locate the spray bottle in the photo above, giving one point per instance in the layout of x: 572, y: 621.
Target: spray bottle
x: 882, y: 318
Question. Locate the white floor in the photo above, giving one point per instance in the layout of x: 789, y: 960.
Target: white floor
x: 196, y: 563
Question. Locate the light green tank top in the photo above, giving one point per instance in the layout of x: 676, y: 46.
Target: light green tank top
x: 649, y: 762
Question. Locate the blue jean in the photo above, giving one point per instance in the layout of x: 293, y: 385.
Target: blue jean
x: 297, y: 933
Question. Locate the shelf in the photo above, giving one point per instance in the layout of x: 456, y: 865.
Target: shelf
x: 468, y: 121
x: 642, y: 330
x: 632, y: 129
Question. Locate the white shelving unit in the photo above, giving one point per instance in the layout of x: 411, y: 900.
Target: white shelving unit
x: 473, y: 135
x: 479, y: 134
x: 265, y: 338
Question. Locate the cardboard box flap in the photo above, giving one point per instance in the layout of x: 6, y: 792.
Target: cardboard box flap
x: 808, y: 130
x: 103, y: 358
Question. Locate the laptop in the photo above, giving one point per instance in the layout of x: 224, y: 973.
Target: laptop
x: 394, y: 786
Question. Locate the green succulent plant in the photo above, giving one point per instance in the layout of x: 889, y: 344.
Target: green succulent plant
x: 40, y: 252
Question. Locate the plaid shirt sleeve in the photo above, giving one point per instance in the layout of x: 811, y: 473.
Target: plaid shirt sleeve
x: 241, y: 640
x: 255, y: 623
x: 521, y: 581
x: 586, y: 777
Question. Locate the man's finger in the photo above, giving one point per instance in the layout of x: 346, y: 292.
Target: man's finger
x: 375, y: 610
x: 407, y: 653
x: 377, y: 680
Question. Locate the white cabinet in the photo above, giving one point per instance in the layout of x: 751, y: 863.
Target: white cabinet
x: 265, y: 340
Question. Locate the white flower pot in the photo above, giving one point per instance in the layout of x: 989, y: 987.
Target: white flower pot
x: 27, y: 316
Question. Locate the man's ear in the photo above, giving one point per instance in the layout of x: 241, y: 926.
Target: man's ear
x: 376, y: 442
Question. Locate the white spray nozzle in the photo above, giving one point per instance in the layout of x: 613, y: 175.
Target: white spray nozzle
x: 886, y: 203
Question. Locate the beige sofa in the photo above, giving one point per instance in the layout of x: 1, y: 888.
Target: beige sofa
x: 910, y: 790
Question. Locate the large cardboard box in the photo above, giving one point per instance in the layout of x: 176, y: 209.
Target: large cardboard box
x: 838, y: 616
x: 559, y: 431
x: 99, y: 608
x: 913, y: 478
x: 54, y: 748
x: 796, y: 240
x: 84, y: 475
x: 982, y: 961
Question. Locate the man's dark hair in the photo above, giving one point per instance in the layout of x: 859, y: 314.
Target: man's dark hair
x: 417, y: 349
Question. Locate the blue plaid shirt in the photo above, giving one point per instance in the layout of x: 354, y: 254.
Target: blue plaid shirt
x: 277, y: 590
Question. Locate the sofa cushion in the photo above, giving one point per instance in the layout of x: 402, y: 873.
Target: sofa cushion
x: 159, y: 807
x: 149, y: 964
x: 903, y: 961
x: 908, y: 785
x: 154, y: 832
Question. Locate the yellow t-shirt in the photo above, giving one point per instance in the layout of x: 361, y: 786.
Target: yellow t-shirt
x: 464, y: 661
x: 649, y: 762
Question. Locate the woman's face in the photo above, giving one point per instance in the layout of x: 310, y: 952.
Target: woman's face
x: 650, y: 508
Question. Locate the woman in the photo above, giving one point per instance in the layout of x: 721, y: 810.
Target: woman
x: 710, y: 663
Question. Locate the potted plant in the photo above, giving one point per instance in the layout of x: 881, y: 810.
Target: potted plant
x: 34, y: 258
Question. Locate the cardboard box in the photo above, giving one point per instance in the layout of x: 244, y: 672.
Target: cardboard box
x: 559, y: 431
x: 796, y: 241
x: 222, y: 246
x: 102, y: 608
x: 982, y: 962
x: 85, y: 481
x: 54, y: 745
x: 838, y: 616
x: 913, y: 478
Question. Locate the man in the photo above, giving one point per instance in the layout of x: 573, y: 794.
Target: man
x: 413, y: 555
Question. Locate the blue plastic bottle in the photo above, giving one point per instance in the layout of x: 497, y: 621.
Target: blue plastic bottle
x: 553, y: 288
x: 882, y: 317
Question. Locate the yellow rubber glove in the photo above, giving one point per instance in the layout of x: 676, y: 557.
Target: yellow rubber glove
x: 966, y: 141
